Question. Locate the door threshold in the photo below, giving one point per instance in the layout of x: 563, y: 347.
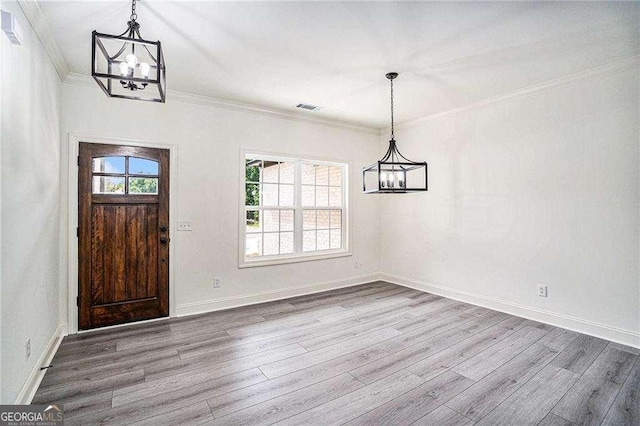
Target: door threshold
x: 128, y: 324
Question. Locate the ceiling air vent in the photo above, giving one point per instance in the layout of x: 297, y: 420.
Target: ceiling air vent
x: 308, y: 107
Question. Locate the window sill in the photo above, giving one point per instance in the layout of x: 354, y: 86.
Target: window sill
x: 293, y: 259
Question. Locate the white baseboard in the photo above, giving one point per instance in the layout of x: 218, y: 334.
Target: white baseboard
x: 270, y: 296
x: 614, y: 334
x: 33, y: 381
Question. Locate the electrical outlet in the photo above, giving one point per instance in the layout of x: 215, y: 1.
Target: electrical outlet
x: 27, y: 349
x: 542, y: 290
x: 185, y: 225
x: 216, y: 282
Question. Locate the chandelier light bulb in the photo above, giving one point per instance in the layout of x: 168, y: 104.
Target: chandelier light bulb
x: 144, y: 69
x: 124, y: 68
x: 131, y: 60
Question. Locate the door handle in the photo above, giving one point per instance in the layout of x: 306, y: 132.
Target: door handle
x: 164, y: 240
x: 163, y: 229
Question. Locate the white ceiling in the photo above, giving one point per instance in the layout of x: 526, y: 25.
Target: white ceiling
x: 335, y: 54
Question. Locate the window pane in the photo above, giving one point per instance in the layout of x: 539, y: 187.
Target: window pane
x: 309, y: 241
x: 253, y: 246
x: 140, y: 185
x: 323, y: 240
x: 253, y: 221
x: 270, y: 172
x: 335, y: 196
x: 287, y: 172
x: 336, y: 218
x: 308, y: 174
x: 269, y: 194
x: 141, y: 166
x: 322, y: 175
x: 286, y: 195
x: 271, y: 244
x: 252, y: 171
x: 335, y: 176
x: 286, y: 220
x: 336, y: 239
x: 270, y: 220
x: 322, y: 196
x: 322, y: 221
x: 108, y: 185
x: 108, y: 165
x: 252, y: 194
x: 309, y: 219
x: 286, y: 242
x: 308, y: 195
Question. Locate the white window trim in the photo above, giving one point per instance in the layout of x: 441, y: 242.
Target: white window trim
x: 295, y: 257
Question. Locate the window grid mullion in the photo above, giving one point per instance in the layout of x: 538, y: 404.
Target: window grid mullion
x: 297, y: 202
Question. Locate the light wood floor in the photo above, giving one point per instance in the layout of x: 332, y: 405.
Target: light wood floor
x: 371, y: 354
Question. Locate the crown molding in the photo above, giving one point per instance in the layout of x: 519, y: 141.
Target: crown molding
x: 176, y: 96
x: 36, y: 18
x: 623, y: 65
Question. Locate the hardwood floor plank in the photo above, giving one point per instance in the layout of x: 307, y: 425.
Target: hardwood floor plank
x: 477, y: 401
x: 493, y: 357
x: 579, y: 355
x: 553, y: 420
x: 308, y: 359
x: 292, y: 403
x: 443, y: 416
x: 169, y: 400
x: 559, y: 339
x: 237, y: 400
x: 195, y: 414
x: 397, y: 361
x: 626, y: 407
x: 167, y: 369
x: 85, y: 388
x: 612, y: 365
x: 357, y: 403
x: 534, y: 400
x: 587, y: 401
x: 625, y: 348
x: 413, y: 405
x: 437, y: 364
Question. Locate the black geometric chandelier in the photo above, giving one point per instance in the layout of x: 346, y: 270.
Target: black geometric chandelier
x: 394, y: 173
x: 127, y: 66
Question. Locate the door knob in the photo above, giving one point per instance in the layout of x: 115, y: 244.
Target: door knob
x: 164, y: 240
x: 163, y: 229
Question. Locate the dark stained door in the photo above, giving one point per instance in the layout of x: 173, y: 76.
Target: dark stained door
x: 123, y: 248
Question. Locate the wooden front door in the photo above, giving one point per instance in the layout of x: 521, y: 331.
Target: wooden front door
x: 123, y: 248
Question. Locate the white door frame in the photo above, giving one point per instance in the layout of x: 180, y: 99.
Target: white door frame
x: 72, y: 218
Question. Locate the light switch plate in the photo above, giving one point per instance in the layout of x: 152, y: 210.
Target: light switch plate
x: 185, y: 225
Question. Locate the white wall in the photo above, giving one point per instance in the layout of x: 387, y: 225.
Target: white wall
x: 30, y: 209
x: 542, y: 189
x: 208, y: 152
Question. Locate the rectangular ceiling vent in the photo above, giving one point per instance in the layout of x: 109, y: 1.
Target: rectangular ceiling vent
x: 308, y: 107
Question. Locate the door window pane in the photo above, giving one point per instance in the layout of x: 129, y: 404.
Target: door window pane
x: 108, y: 165
x: 252, y: 170
x: 287, y: 172
x: 141, y: 166
x: 140, y: 185
x: 108, y: 185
